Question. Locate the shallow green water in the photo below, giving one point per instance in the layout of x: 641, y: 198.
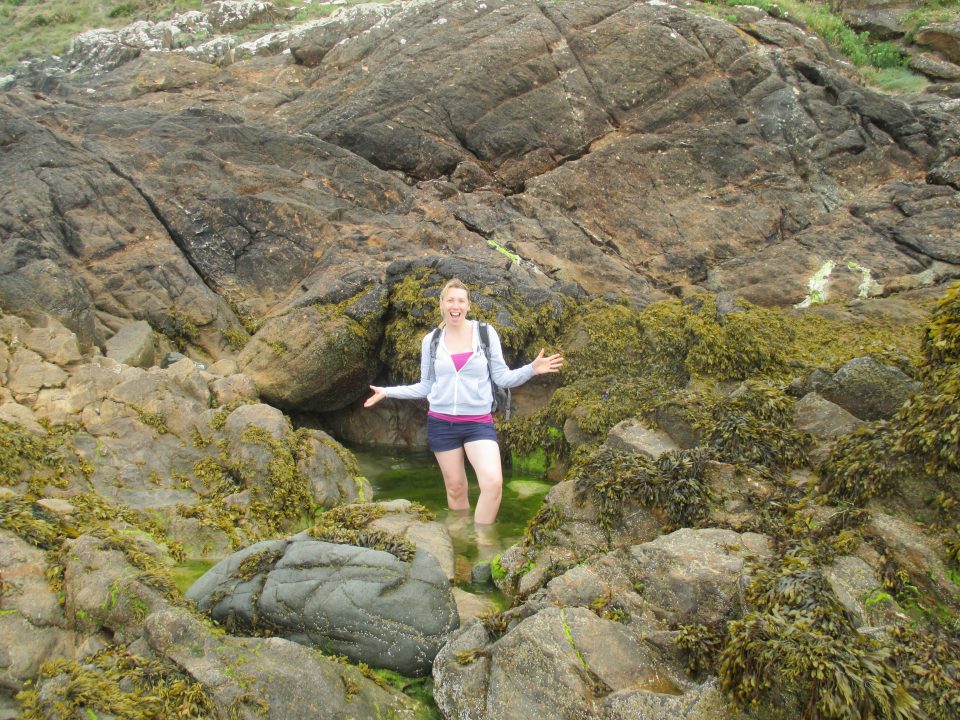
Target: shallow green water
x: 415, y: 476
x: 189, y: 571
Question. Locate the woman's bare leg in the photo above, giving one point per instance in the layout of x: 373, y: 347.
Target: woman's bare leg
x: 454, y: 478
x: 488, y: 542
x: 484, y: 456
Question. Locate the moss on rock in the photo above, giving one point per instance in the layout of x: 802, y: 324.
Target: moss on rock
x: 674, y: 485
x: 797, y: 645
x: 922, y: 440
x: 623, y: 363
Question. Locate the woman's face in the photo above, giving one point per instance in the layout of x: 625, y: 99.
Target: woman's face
x: 454, y: 306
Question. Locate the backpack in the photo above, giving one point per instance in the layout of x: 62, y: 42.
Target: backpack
x: 501, y: 396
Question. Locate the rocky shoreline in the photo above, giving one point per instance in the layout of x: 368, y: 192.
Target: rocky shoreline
x: 743, y: 252
x: 628, y: 592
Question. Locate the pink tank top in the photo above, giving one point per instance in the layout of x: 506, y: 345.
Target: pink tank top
x: 459, y: 360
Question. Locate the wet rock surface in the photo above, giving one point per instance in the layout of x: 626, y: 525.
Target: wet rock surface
x: 359, y: 602
x: 197, y: 239
x: 403, y: 131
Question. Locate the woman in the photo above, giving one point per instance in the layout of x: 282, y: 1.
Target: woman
x: 457, y: 387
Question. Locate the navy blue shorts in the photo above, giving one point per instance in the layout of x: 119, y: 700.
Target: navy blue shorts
x: 444, y: 435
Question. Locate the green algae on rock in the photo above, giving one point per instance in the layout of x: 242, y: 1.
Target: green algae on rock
x: 347, y: 524
x: 120, y: 684
x: 923, y: 437
x: 623, y: 362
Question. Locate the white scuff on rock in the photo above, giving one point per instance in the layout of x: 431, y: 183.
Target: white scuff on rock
x: 817, y: 286
x: 868, y: 286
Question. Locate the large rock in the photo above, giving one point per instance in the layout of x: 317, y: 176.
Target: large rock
x: 915, y: 552
x: 632, y: 435
x: 575, y: 535
x: 883, y: 19
x: 265, y: 677
x: 825, y: 422
x: 133, y: 345
x: 259, y: 192
x: 565, y: 663
x: 696, y: 576
x: 103, y: 591
x: 31, y: 613
x: 944, y: 37
x: 858, y: 589
x: 823, y: 419
x: 309, y: 359
x: 868, y: 389
x: 934, y: 67
x: 362, y: 603
x: 148, y: 438
x: 29, y: 373
x: 402, y: 519
x: 388, y: 425
x: 332, y: 479
x: 36, y: 288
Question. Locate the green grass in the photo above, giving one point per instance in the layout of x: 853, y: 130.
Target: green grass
x: 895, y: 80
x: 40, y: 28
x: 857, y: 47
x: 938, y: 11
x: 881, y: 63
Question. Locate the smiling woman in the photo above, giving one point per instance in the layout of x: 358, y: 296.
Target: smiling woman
x: 455, y: 376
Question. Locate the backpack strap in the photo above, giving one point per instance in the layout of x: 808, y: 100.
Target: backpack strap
x: 485, y: 338
x: 434, y: 343
x: 484, y: 329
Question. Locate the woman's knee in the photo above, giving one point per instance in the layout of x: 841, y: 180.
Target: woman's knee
x: 490, y: 483
x: 456, y: 487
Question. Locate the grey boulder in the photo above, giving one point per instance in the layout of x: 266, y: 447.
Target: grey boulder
x: 270, y: 678
x: 359, y: 602
x: 133, y: 344
x: 867, y: 389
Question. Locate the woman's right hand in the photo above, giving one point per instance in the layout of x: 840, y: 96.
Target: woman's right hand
x: 378, y: 394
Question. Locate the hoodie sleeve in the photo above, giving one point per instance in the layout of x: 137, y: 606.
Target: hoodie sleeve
x: 422, y: 388
x: 503, y: 375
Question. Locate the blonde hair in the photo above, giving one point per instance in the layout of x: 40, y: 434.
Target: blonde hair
x: 454, y: 284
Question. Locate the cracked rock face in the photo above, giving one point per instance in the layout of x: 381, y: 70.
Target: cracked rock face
x: 615, y: 146
x: 362, y: 603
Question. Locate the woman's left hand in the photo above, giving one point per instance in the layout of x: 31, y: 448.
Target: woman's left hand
x: 548, y: 364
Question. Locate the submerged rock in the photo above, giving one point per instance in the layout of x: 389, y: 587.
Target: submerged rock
x: 359, y: 602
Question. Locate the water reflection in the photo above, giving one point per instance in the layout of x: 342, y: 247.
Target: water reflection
x: 415, y: 476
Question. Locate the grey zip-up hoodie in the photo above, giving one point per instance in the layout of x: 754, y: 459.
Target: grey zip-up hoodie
x: 466, y: 392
